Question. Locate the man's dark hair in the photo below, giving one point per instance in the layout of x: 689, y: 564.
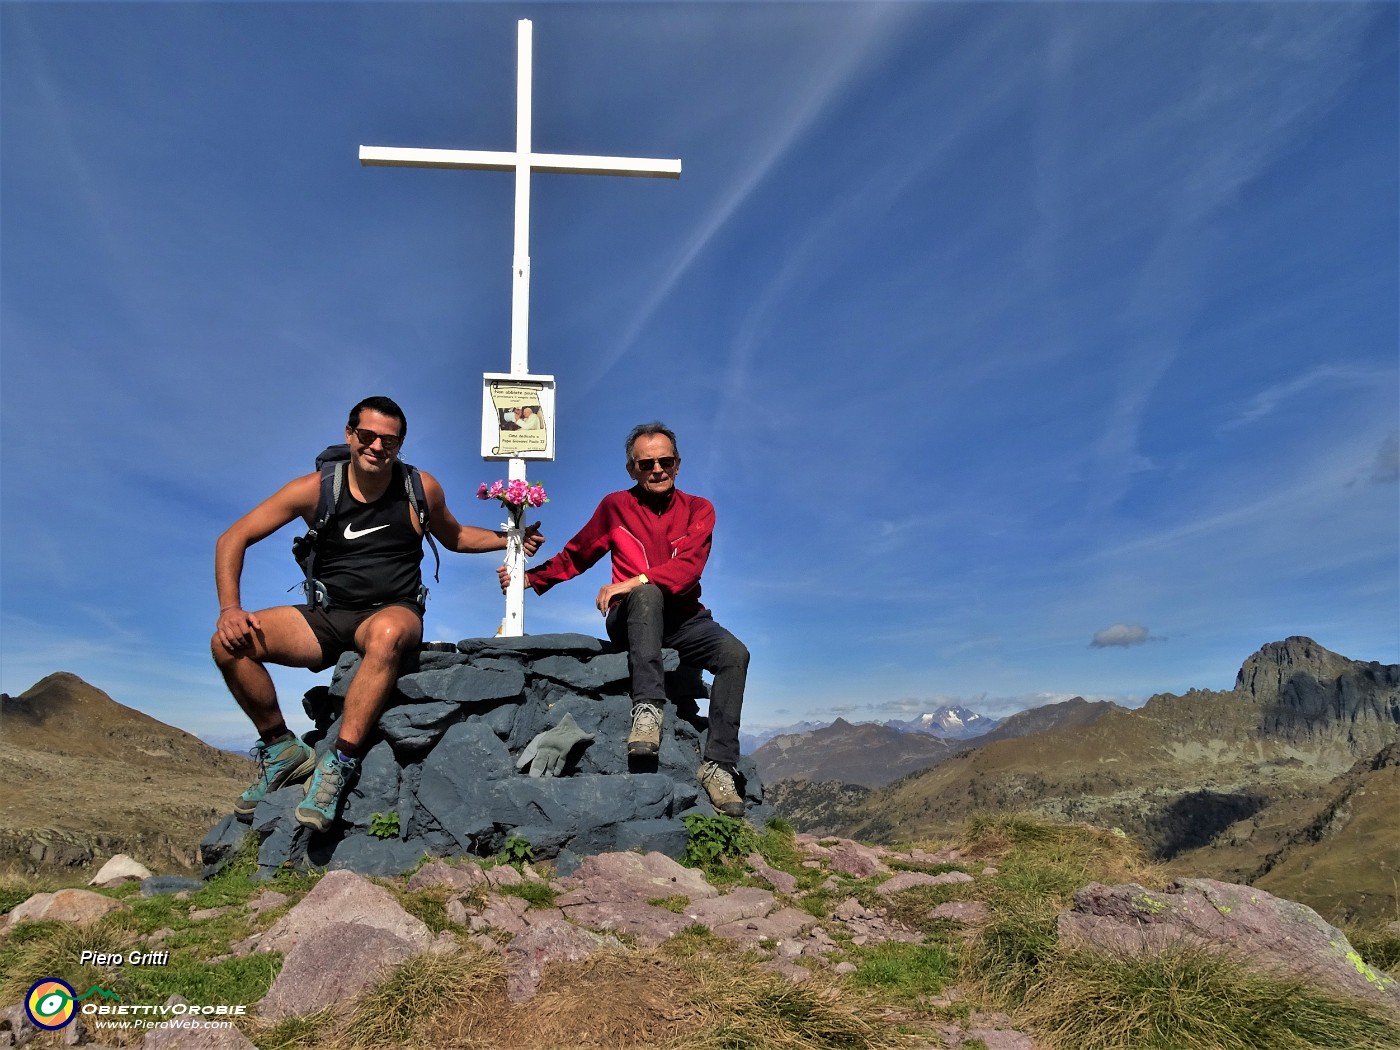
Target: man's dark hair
x: 647, y: 430
x: 385, y: 407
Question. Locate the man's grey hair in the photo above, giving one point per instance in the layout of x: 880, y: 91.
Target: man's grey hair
x: 647, y: 430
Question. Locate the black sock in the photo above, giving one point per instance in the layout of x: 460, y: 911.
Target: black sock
x: 347, y: 750
x: 276, y: 734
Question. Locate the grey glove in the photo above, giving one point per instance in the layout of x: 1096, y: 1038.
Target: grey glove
x: 548, y: 752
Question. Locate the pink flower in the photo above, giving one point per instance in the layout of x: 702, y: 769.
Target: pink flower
x: 517, y: 493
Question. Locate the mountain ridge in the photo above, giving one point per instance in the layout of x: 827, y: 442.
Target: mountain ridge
x: 1175, y: 773
x: 82, y: 775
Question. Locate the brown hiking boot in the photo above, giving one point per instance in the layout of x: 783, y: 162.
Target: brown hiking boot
x: 645, y: 738
x: 718, y: 783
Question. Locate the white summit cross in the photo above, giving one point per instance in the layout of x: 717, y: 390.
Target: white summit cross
x: 523, y: 161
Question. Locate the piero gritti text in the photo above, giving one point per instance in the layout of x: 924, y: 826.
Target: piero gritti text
x: 132, y: 958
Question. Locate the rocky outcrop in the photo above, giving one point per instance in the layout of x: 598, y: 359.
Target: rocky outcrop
x: 1262, y: 930
x: 441, y: 778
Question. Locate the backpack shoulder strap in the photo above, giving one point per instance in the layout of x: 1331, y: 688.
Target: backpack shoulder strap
x: 332, y: 483
x: 413, y: 484
x: 331, y: 465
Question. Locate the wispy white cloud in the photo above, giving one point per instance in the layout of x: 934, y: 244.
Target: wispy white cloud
x: 829, y: 77
x: 1272, y: 398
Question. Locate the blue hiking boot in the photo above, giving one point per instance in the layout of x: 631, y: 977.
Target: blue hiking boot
x: 326, y: 789
x: 282, y: 763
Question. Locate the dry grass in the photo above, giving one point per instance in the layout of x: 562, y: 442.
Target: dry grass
x: 671, y: 998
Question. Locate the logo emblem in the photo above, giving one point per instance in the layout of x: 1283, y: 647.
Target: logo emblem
x: 50, y: 1004
x: 355, y: 534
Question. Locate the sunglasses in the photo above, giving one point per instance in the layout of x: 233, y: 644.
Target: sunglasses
x: 389, y: 442
x: 663, y: 462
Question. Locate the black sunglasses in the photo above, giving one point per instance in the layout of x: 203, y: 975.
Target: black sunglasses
x: 664, y: 462
x: 389, y: 442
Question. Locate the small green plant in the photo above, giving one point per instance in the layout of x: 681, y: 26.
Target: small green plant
x: 517, y: 852
x: 384, y: 825
x: 713, y: 839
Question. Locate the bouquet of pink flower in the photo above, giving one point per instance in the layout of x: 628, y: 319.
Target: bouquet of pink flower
x: 515, y: 495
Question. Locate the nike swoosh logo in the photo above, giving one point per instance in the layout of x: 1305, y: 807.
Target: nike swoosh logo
x: 354, y: 534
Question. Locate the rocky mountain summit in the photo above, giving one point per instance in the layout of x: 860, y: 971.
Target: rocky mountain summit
x: 1309, y: 694
x: 952, y: 721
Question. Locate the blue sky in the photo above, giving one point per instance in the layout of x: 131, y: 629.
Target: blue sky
x: 1025, y: 350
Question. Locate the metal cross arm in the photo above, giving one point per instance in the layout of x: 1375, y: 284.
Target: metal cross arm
x: 524, y: 161
x: 487, y: 160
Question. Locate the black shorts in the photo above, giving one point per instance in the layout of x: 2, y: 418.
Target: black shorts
x: 335, y: 628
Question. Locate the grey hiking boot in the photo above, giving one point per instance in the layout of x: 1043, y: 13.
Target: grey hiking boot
x: 282, y: 763
x: 718, y: 782
x: 326, y: 790
x: 645, y: 738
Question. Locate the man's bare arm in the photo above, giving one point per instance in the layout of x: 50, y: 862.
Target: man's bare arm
x: 296, y: 499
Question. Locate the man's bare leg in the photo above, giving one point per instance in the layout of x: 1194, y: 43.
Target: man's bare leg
x: 382, y: 641
x: 285, y: 638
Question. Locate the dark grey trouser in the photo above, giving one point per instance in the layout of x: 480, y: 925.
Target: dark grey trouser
x: 639, y: 622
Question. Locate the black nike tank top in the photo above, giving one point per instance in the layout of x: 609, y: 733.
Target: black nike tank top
x: 370, y: 553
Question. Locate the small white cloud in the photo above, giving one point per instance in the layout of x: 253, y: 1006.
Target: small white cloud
x: 1120, y: 634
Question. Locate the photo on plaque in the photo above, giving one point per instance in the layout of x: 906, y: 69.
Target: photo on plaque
x: 518, y: 417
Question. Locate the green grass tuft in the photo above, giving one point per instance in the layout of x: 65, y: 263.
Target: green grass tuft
x: 1196, y: 999
x: 539, y: 894
x: 909, y: 971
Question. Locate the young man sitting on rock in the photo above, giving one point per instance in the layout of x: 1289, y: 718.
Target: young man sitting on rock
x: 369, y: 600
x: 659, y: 539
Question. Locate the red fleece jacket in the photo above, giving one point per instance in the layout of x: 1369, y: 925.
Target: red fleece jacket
x: 670, y: 544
